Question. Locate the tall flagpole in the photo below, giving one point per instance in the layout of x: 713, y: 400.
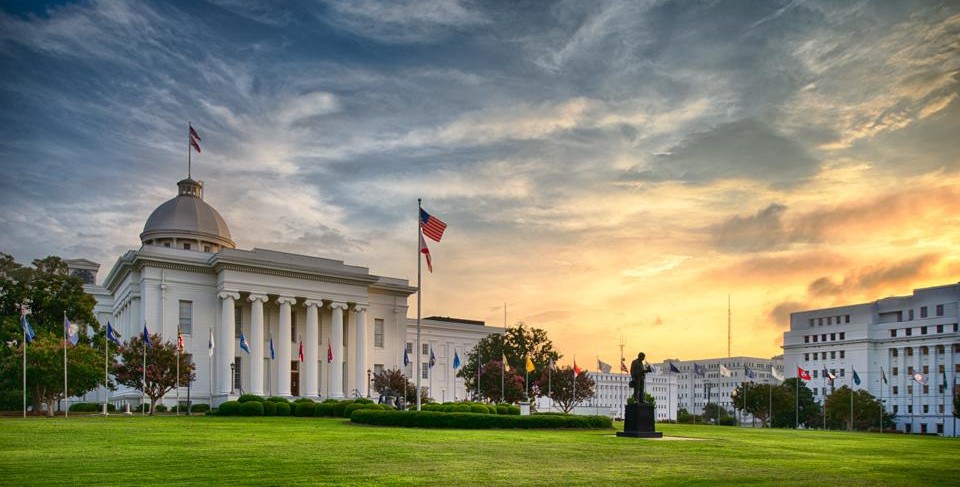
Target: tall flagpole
x: 65, y: 338
x: 189, y: 151
x: 143, y: 393
x: 106, y: 370
x: 23, y: 322
x: 796, y: 406
x: 178, y: 371
x: 419, y: 297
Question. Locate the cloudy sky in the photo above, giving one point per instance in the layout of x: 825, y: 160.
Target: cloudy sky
x: 606, y: 168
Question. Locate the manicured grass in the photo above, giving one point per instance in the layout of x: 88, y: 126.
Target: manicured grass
x: 270, y: 451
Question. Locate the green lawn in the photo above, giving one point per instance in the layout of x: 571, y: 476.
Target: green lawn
x: 269, y: 451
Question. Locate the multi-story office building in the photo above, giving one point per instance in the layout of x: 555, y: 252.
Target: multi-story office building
x: 905, y: 351
x: 703, y: 381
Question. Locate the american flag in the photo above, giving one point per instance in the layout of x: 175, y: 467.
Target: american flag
x: 432, y: 226
x: 194, y: 139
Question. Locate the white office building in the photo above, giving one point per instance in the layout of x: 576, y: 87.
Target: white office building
x: 912, y: 341
x: 702, y: 381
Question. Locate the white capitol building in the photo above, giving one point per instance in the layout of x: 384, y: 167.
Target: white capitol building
x: 189, y: 273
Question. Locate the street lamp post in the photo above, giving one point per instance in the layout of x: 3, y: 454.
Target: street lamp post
x: 368, y: 383
x: 233, y: 376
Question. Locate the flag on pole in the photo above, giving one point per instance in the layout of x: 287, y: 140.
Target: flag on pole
x: 749, y: 373
x: 146, y: 337
x: 803, y: 374
x: 456, y: 359
x: 273, y: 354
x: 194, y: 139
x: 883, y: 376
x: 603, y: 366
x: 426, y: 252
x: 944, y: 380
x: 406, y: 357
x: 531, y: 367
x: 856, y: 377
x: 506, y: 366
x: 301, y: 349
x: 329, y: 351
x: 919, y: 378
x: 71, y: 331
x: 699, y: 370
x: 725, y: 372
x: 776, y: 374
x: 673, y: 368
x: 27, y: 329
x: 431, y: 225
x: 433, y: 359
x: 576, y: 369
x: 828, y: 375
x: 210, y: 345
x: 623, y: 365
x: 112, y: 335
x: 179, y: 340
x: 243, y: 343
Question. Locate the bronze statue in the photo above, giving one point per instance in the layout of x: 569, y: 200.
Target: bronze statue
x: 638, y: 371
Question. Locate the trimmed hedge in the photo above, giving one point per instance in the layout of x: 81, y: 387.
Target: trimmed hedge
x: 283, y: 408
x: 229, y: 408
x: 160, y: 408
x: 436, y: 419
x: 250, y: 397
x: 502, y: 409
x: 269, y: 408
x: 304, y: 409
x: 277, y: 399
x: 251, y: 408
x: 324, y: 409
x: 339, y: 406
x: 90, y: 407
x: 199, y: 408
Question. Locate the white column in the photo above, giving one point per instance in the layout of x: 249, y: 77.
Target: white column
x: 336, y: 338
x: 256, y: 343
x: 284, y: 345
x: 310, y: 350
x: 360, y: 349
x: 226, y: 344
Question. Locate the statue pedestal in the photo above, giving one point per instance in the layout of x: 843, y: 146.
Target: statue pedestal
x: 639, y: 422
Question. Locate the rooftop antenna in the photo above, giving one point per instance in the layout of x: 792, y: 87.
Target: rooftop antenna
x: 729, y: 330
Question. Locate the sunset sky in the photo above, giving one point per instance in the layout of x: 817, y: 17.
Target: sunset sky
x: 606, y: 168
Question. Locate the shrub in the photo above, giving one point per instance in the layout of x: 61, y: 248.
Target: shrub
x: 436, y: 419
x: 304, y: 399
x: 90, y: 407
x: 304, y: 409
x: 350, y: 408
x: 339, y: 406
x: 199, y: 408
x: 363, y: 400
x: 479, y: 408
x: 513, y: 410
x: 269, y: 408
x: 330, y: 400
x: 283, y: 408
x: 501, y: 409
x: 229, y: 408
x: 250, y: 397
x: 251, y: 408
x: 160, y: 408
x: 375, y: 407
x: 323, y: 409
x: 277, y: 399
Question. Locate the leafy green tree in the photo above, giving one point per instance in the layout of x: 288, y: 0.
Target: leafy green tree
x: 398, y: 383
x: 715, y: 412
x: 490, y: 383
x: 784, y: 405
x: 517, y: 343
x: 562, y: 390
x: 161, y: 367
x: 755, y: 399
x: 49, y: 292
x: 866, y: 410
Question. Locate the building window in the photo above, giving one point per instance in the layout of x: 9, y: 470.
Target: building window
x: 815, y: 373
x: 923, y: 330
x: 186, y: 317
x: 896, y: 391
x: 910, y: 391
x: 811, y: 322
x: 378, y: 333
x: 895, y: 352
x: 926, y: 370
x: 842, y: 372
x: 939, y: 328
x: 829, y: 320
x: 848, y: 318
x: 424, y: 370
x: 426, y: 348
x: 923, y: 311
x: 939, y: 310
x: 186, y: 246
x: 924, y: 351
x: 909, y: 408
x: 909, y: 331
x: 842, y: 353
x: 206, y: 248
x: 806, y: 339
x: 823, y: 337
x: 166, y: 244
x: 819, y: 321
x: 910, y: 315
x: 806, y: 357
x: 236, y: 372
x: 815, y: 339
x: 896, y: 409
x: 895, y: 371
x: 893, y: 333
x: 833, y: 337
x: 237, y: 320
x: 409, y: 347
x: 293, y: 326
x: 833, y: 354
x: 843, y: 335
x: 377, y: 369
x: 926, y: 390
x: 909, y: 370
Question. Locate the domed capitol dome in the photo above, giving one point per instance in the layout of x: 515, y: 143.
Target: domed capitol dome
x: 187, y: 222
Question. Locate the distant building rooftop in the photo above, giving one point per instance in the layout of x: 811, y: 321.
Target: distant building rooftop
x: 448, y: 319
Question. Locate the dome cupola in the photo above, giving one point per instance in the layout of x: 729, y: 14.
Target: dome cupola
x: 187, y: 222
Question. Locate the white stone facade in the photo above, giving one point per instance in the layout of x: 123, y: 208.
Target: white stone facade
x: 901, y: 335
x: 694, y: 391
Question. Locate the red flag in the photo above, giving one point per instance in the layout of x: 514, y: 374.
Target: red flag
x: 432, y: 226
x: 803, y: 374
x: 194, y: 139
x: 576, y: 368
x: 329, y: 351
x: 301, y: 350
x: 426, y: 251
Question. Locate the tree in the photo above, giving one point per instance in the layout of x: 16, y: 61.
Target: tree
x: 490, y: 383
x: 516, y: 343
x: 866, y: 410
x: 753, y: 399
x: 394, y: 380
x: 714, y: 412
x: 785, y: 405
x: 50, y: 293
x: 562, y: 390
x: 161, y: 367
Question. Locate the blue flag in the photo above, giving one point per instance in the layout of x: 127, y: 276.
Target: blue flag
x: 243, y: 343
x: 749, y: 373
x: 673, y: 368
x: 273, y: 355
x: 71, y: 331
x: 112, y: 335
x: 406, y: 358
x: 856, y: 377
x: 456, y: 360
x: 433, y: 360
x: 698, y: 370
x: 28, y: 334
x: 146, y: 337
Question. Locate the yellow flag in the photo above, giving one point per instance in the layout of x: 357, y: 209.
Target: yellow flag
x: 530, y: 366
x: 506, y: 366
